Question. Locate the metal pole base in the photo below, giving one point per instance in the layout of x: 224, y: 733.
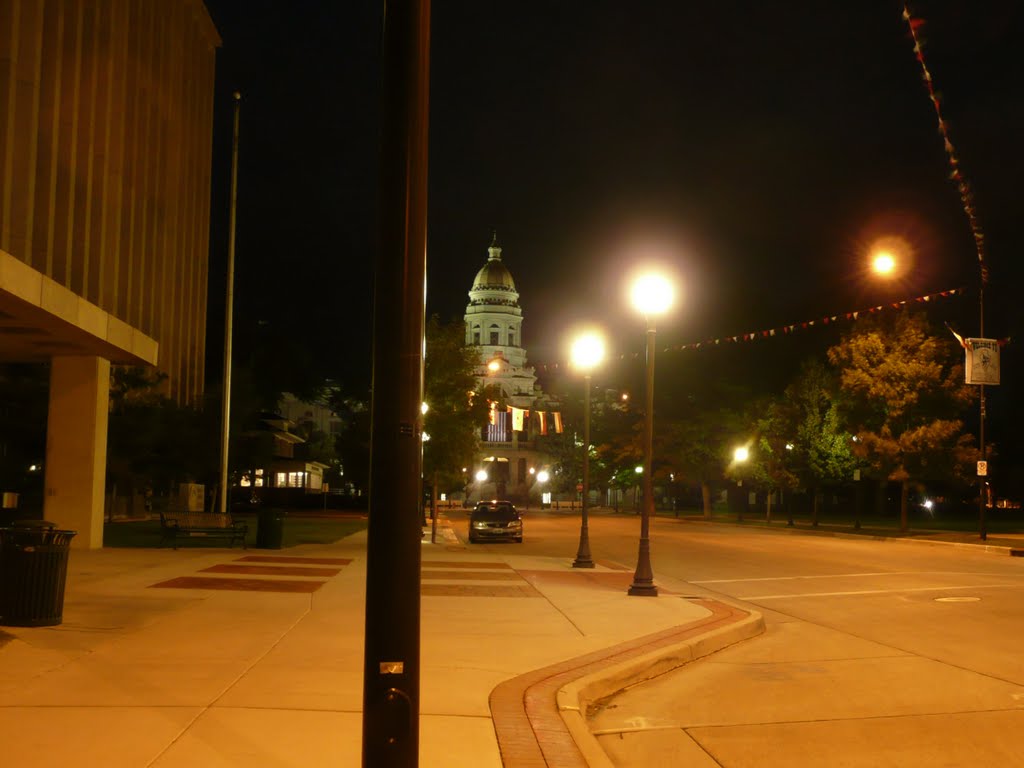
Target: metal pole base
x: 580, y: 562
x: 641, y: 589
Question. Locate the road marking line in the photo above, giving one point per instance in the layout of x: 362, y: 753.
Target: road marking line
x: 844, y: 576
x: 877, y: 591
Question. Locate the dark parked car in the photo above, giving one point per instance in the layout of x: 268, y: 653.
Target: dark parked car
x: 495, y: 520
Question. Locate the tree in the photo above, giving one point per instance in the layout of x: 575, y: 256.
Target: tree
x: 455, y: 409
x: 904, y: 392
x: 775, y: 429
x: 353, y: 442
x: 822, y: 453
x: 697, y: 433
x: 152, y: 442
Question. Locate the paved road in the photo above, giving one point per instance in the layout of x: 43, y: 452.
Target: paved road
x: 876, y: 653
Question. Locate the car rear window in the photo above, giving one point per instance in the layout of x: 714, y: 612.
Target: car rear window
x: 496, y: 512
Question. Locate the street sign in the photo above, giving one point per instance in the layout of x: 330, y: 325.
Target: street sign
x: 982, y: 363
x: 982, y: 468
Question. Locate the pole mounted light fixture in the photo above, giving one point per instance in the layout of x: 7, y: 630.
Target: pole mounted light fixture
x: 651, y: 294
x: 587, y: 352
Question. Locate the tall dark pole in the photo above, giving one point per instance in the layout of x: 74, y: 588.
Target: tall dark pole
x: 391, y: 663
x: 583, y: 559
x: 982, y: 528
x: 643, y: 578
x: 229, y: 313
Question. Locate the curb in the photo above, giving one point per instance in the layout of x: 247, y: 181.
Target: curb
x: 575, y: 699
x: 995, y: 549
x: 540, y: 717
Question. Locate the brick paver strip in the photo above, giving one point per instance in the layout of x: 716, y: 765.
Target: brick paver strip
x: 529, y: 728
x: 477, y: 590
x: 240, y: 585
x: 462, y: 564
x: 281, y: 559
x: 472, y: 575
x: 273, y: 570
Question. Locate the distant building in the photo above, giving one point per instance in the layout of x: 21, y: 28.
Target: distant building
x: 106, y: 116
x: 314, y: 416
x: 285, y: 476
x: 510, y: 457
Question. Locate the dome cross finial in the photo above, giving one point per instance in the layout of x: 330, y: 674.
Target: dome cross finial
x: 494, y: 252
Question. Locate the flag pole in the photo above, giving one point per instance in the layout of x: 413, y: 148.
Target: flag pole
x: 229, y: 302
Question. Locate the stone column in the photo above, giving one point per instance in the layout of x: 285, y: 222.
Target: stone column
x: 76, y: 447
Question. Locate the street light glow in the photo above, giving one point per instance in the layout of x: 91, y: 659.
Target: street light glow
x: 651, y: 294
x: 543, y: 476
x: 481, y: 475
x: 884, y: 263
x: 741, y: 454
x: 493, y: 366
x: 587, y: 350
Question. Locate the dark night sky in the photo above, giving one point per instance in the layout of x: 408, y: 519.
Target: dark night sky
x: 761, y: 145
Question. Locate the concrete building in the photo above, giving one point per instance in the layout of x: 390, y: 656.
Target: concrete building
x: 106, y: 113
x: 511, y: 459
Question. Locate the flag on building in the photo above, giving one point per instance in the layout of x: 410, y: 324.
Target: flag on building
x: 542, y: 417
x: 517, y: 419
x: 558, y: 421
x: 497, y: 432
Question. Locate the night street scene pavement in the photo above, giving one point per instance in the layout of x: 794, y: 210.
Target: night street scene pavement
x: 460, y: 384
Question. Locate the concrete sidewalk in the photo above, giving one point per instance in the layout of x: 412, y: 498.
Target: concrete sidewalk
x: 217, y: 657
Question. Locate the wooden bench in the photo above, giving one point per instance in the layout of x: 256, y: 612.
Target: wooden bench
x: 211, y: 525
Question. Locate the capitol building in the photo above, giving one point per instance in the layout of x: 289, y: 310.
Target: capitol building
x: 510, y: 459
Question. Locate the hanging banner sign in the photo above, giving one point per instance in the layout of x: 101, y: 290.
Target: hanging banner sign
x: 982, y: 364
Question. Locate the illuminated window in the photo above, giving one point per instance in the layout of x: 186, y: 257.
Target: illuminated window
x: 244, y: 482
x: 281, y: 479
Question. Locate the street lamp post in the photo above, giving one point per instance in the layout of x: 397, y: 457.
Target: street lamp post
x: 651, y: 295
x: 740, y: 456
x: 587, y: 352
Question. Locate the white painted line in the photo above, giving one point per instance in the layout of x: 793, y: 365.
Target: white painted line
x: 877, y: 592
x: 845, y: 576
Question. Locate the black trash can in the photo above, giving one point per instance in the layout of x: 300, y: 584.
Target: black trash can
x: 33, y: 571
x: 270, y: 529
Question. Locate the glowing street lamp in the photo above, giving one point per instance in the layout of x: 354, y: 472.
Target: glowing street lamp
x: 740, y: 456
x: 587, y: 352
x: 481, y: 476
x: 883, y: 264
x: 651, y: 294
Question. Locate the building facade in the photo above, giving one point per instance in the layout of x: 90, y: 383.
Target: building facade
x: 511, y: 458
x: 106, y: 115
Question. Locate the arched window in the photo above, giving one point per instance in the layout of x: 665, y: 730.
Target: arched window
x: 476, y: 335
x: 494, y: 335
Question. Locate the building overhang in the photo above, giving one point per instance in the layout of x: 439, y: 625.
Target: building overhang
x: 41, y: 319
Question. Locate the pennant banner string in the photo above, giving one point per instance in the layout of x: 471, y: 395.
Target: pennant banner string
x: 914, y: 23
x: 786, y: 330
